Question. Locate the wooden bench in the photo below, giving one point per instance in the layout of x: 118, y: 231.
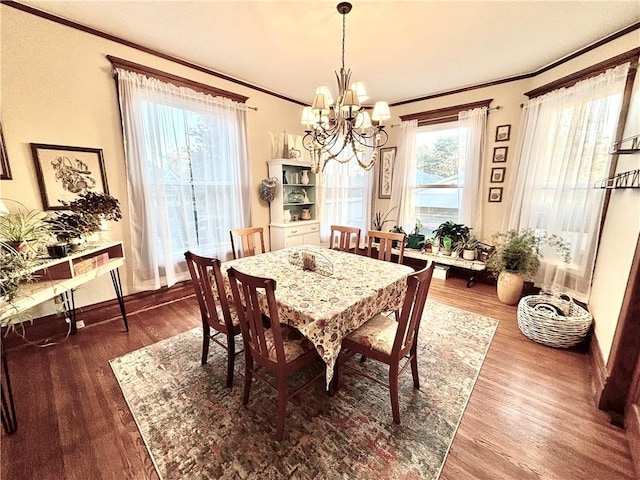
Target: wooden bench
x: 472, y: 266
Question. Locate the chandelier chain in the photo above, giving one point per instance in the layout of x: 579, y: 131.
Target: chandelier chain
x: 344, y: 35
x: 343, y: 130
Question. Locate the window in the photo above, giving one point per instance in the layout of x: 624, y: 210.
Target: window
x: 438, y: 192
x: 564, y: 152
x: 187, y: 172
x: 439, y: 167
x: 346, y: 197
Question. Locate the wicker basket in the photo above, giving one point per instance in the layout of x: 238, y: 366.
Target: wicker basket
x: 553, y: 321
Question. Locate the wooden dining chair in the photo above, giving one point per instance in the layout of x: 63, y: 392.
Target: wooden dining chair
x: 389, y: 341
x: 341, y: 237
x: 247, y: 241
x: 385, y: 244
x: 278, y: 348
x: 219, y: 317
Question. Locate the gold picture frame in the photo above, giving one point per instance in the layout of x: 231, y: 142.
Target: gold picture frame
x: 385, y: 172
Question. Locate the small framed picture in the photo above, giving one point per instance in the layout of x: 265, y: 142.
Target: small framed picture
x: 495, y: 194
x: 500, y: 154
x: 503, y: 132
x: 385, y: 174
x: 497, y: 174
x: 64, y: 173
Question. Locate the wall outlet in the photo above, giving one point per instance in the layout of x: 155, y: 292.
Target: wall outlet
x: 80, y: 324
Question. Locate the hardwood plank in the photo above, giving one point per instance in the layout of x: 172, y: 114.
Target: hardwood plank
x: 531, y: 414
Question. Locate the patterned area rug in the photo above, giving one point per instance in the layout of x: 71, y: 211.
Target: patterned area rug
x: 194, y: 427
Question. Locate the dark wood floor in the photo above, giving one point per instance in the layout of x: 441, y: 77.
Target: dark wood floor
x: 531, y: 414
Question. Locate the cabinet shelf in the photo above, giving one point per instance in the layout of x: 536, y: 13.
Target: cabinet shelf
x: 285, y: 233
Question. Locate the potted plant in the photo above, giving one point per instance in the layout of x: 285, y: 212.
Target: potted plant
x: 397, y: 229
x: 24, y: 230
x: 71, y: 227
x: 516, y: 258
x: 416, y: 239
x: 427, y: 245
x: 102, y: 206
x: 469, y: 246
x: 15, y: 270
x: 379, y: 221
x: 456, y: 232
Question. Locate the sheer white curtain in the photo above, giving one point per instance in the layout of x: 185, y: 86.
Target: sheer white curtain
x: 472, y: 127
x: 563, y: 151
x: 345, y: 194
x: 187, y: 175
x: 403, y: 184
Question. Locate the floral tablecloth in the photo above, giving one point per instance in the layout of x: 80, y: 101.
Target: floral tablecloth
x: 325, y: 308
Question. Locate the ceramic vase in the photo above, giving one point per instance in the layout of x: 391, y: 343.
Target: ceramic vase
x: 510, y: 287
x: 287, y: 215
x: 305, y: 177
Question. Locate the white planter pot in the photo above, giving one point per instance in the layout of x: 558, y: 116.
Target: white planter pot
x: 469, y: 254
x: 510, y: 287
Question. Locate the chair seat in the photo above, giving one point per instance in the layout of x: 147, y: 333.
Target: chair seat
x: 294, y: 343
x: 232, y: 311
x: 378, y: 333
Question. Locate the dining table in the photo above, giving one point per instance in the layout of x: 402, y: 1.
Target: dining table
x: 329, y: 298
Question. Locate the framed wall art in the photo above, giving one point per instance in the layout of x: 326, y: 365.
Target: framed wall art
x: 5, y: 171
x: 64, y: 173
x: 495, y: 194
x: 500, y: 154
x: 385, y: 174
x: 497, y: 174
x: 503, y: 132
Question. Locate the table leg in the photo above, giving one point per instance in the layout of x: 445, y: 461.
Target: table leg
x: 117, y: 286
x: 9, y: 418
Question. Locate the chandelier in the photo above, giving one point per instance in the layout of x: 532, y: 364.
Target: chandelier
x: 342, y: 130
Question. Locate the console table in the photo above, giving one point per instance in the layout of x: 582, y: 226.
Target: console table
x: 58, y: 278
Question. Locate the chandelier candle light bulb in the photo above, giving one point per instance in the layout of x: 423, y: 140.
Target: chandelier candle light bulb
x: 342, y: 129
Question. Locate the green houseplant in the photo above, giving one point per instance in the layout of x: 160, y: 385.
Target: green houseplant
x: 24, y: 230
x: 454, y: 232
x: 416, y: 239
x: 469, y: 247
x: 397, y: 229
x: 379, y: 221
x: 66, y: 226
x: 87, y: 214
x: 101, y: 206
x: 516, y: 258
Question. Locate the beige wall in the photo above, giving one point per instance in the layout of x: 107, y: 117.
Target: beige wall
x: 57, y: 88
x: 509, y: 97
x: 618, y: 243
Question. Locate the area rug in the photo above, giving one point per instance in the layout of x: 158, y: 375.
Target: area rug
x: 195, y: 428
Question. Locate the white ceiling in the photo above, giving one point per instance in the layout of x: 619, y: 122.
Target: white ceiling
x: 400, y: 50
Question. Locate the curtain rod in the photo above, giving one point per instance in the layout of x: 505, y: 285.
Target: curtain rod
x: 497, y: 107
